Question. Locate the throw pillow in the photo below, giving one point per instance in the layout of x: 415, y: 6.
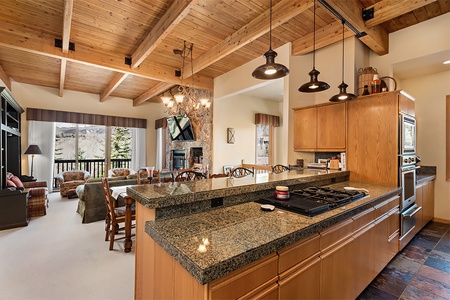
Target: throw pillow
x: 17, y: 181
x: 9, y: 182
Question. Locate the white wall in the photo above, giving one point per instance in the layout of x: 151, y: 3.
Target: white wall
x: 48, y: 98
x: 238, y: 112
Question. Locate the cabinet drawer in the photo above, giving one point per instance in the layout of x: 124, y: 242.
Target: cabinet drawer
x: 386, y: 206
x: 245, y: 280
x: 335, y: 234
x: 363, y: 219
x: 296, y: 253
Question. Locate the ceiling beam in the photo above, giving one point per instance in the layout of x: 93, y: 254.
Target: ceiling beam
x: 171, y: 18
x: 5, y: 78
x: 325, y: 36
x: 24, y: 39
x: 62, y: 76
x: 67, y: 22
x: 115, y: 82
x: 386, y: 10
x: 282, y: 12
x: 156, y: 90
x: 376, y: 37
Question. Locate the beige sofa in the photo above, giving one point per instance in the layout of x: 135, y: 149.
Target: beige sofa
x: 91, y: 203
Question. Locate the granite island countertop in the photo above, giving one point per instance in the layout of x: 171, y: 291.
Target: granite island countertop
x: 187, y: 197
x: 243, y: 233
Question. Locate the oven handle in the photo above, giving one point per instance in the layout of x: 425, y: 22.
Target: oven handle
x: 410, y: 168
x: 408, y: 214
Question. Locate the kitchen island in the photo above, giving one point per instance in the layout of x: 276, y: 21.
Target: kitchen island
x: 207, y: 239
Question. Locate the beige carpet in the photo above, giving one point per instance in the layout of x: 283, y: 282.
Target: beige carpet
x: 58, y: 257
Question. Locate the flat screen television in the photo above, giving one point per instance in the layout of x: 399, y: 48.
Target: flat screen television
x: 180, y: 128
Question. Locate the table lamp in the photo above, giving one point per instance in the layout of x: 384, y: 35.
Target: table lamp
x: 33, y: 149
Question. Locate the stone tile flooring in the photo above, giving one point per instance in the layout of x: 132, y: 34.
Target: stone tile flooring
x: 420, y: 271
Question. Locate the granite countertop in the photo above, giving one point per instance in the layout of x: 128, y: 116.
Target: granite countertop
x: 178, y: 193
x: 425, y: 174
x: 243, y: 233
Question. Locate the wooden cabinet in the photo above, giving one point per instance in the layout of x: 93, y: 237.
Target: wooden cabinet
x: 13, y: 209
x: 320, y: 128
x: 406, y: 105
x: 10, y: 136
x: 425, y: 199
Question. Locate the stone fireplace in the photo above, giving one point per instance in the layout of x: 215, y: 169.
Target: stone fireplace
x: 197, y: 151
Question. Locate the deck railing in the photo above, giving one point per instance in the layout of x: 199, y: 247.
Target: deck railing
x: 96, y: 167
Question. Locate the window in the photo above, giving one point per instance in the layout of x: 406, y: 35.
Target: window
x: 94, y: 148
x: 262, y: 144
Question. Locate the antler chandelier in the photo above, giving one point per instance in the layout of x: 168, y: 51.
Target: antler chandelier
x: 188, y: 100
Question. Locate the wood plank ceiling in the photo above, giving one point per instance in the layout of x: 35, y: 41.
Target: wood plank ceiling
x: 225, y: 35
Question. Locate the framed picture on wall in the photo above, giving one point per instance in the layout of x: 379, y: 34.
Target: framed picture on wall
x: 227, y: 169
x: 230, y: 135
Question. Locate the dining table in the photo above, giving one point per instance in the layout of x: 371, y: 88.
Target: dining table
x: 118, y: 192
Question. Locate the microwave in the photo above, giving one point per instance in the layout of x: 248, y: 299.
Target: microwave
x: 407, y: 134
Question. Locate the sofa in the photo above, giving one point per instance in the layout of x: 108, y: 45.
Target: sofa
x: 91, y: 203
x: 69, y: 180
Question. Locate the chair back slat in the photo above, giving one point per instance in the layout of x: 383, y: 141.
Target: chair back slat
x: 280, y: 168
x: 241, y: 172
x: 189, y: 176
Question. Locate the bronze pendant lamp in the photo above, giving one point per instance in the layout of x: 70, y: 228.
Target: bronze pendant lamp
x: 270, y: 70
x: 314, y: 85
x: 343, y: 95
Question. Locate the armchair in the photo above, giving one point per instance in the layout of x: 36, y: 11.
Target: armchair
x: 69, y: 180
x: 37, y: 194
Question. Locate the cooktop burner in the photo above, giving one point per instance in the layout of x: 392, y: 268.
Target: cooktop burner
x: 312, y: 201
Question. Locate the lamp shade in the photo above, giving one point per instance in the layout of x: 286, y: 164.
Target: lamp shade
x: 270, y: 70
x: 33, y: 149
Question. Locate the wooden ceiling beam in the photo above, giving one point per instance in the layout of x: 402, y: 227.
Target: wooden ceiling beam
x: 156, y: 90
x: 24, y: 39
x: 171, y: 18
x: 62, y: 76
x: 115, y: 82
x: 67, y: 22
x: 282, y: 12
x: 325, y: 36
x: 5, y: 78
x: 386, y: 10
x: 376, y: 37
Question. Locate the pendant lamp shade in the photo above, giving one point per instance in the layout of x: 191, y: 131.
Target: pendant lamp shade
x: 270, y: 70
x: 343, y: 95
x: 314, y: 85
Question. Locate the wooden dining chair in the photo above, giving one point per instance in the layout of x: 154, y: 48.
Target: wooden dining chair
x: 280, y: 168
x: 241, y: 172
x: 114, y: 216
x: 189, y: 176
x: 143, y: 178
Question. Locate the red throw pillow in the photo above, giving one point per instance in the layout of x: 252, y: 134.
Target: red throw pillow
x: 17, y: 181
x: 10, y: 183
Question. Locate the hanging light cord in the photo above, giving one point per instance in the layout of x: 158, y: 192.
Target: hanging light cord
x: 270, y: 26
x: 343, y: 22
x: 314, y: 37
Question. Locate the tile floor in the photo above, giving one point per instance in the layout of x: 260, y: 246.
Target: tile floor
x: 420, y: 271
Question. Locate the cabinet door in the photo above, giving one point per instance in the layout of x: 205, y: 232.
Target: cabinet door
x: 428, y: 202
x: 419, y: 216
x: 364, y: 258
x: 331, y: 127
x: 406, y: 105
x: 305, y: 126
x: 302, y: 282
x: 337, y: 274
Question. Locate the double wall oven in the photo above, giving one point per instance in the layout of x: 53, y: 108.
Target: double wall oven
x: 407, y: 173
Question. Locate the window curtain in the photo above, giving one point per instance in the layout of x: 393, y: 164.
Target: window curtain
x: 43, y: 135
x: 138, y: 148
x: 160, y: 148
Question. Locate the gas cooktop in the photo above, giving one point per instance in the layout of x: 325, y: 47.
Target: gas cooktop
x: 313, y: 201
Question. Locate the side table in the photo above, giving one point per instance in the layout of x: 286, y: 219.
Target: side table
x: 13, y: 208
x: 25, y: 178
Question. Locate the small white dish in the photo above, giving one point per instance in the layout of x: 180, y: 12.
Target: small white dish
x: 267, y: 207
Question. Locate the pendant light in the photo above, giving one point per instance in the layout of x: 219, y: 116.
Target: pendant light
x: 343, y: 95
x: 270, y: 70
x: 314, y: 85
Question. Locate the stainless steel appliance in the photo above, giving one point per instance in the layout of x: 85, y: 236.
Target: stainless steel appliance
x: 407, y: 173
x: 407, y: 134
x: 313, y: 201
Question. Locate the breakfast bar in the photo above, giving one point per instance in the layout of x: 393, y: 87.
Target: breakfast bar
x: 194, y: 239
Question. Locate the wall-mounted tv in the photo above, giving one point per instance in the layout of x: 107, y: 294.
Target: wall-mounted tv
x: 180, y: 128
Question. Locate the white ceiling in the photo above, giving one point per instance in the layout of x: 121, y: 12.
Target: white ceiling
x: 269, y: 90
x: 422, y: 66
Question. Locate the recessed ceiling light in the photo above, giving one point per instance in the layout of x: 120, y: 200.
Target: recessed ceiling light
x: 446, y: 62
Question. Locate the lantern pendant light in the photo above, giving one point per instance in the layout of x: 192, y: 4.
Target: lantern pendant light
x: 270, y: 70
x: 314, y: 85
x: 343, y: 95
